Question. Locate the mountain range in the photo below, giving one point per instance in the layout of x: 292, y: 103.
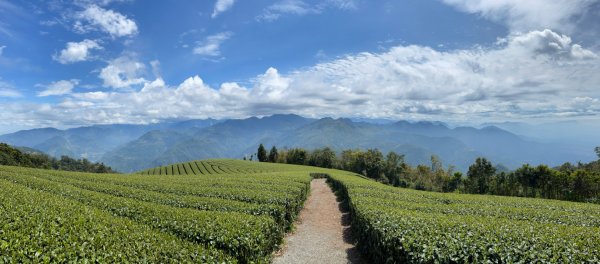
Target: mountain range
x: 129, y: 148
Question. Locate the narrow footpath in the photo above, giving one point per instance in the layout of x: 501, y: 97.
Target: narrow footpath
x: 322, y: 232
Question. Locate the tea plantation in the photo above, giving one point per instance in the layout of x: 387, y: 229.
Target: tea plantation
x: 228, y: 211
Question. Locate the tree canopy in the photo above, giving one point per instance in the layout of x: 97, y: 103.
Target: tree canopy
x: 14, y: 157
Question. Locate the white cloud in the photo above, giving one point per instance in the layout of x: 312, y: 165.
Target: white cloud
x: 300, y: 8
x: 271, y: 85
x: 529, y: 75
x: 7, y: 90
x: 294, y: 7
x: 122, y: 72
x: 155, y: 64
x: 222, y: 6
x: 76, y: 51
x: 2, y: 49
x: 343, y: 4
x: 114, y: 23
x: 62, y: 87
x: 212, y: 44
x: 539, y: 74
x: 99, y: 2
x: 233, y: 93
x: 527, y: 15
x: 548, y: 43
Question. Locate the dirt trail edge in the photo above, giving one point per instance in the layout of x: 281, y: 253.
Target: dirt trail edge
x: 322, y: 232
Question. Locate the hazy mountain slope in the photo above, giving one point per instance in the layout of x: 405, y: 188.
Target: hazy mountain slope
x: 93, y: 142
x: 141, y: 152
x: 337, y: 134
x: 341, y: 134
x: 235, y: 138
x: 578, y: 137
x: 190, y: 149
x: 418, y: 141
x: 28, y: 150
x: 56, y: 146
x: 30, y: 138
x: 82, y: 142
x: 231, y: 138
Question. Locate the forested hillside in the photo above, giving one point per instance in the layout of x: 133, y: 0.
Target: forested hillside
x: 33, y: 159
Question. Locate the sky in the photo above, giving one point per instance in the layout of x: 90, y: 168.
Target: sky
x: 82, y: 62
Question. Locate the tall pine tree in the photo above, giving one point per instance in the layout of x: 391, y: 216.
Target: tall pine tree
x: 261, y: 153
x: 273, y: 155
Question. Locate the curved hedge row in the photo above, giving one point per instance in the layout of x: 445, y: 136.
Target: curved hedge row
x: 40, y: 227
x: 394, y: 225
x: 225, y: 217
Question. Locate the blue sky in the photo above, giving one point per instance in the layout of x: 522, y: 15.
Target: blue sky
x: 70, y: 63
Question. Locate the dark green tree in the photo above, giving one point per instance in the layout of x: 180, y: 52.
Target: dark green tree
x: 581, y: 185
x: 525, y: 175
x: 273, y: 155
x: 261, y: 154
x: 297, y: 156
x: 567, y: 167
x: 479, y: 175
x: 394, y: 167
x: 329, y: 158
x: 324, y: 158
x: 597, y: 150
x: 455, y: 182
x: 349, y: 160
x: 373, y: 163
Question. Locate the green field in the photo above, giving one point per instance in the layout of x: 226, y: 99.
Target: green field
x: 239, y: 211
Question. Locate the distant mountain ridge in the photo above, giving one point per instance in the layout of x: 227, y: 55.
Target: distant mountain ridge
x: 91, y: 142
x: 130, y: 148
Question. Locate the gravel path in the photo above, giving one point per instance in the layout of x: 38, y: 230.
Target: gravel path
x: 322, y: 233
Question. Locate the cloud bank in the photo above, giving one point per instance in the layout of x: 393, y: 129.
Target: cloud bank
x: 539, y: 74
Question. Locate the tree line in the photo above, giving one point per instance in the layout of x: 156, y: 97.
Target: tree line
x: 13, y: 157
x: 579, y: 182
